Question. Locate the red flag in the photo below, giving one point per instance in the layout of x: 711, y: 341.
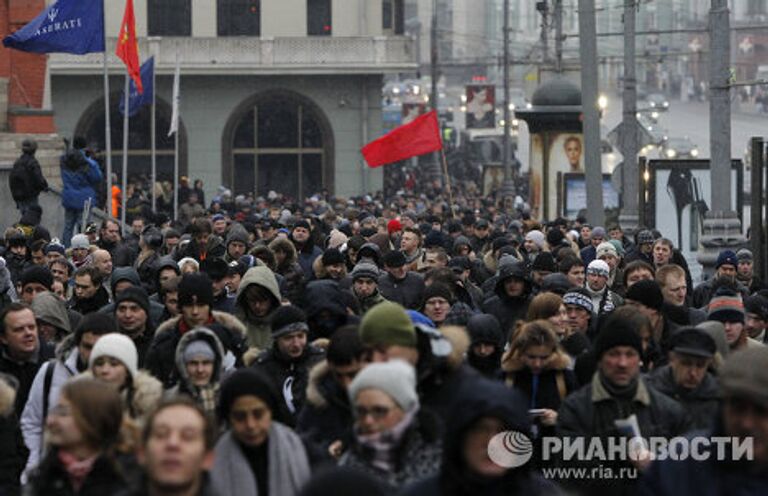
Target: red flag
x: 128, y: 46
x: 420, y: 136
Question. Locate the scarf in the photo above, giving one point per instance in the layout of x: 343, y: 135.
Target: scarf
x: 627, y: 392
x: 207, y: 397
x: 184, y: 327
x: 383, y: 445
x: 77, y: 470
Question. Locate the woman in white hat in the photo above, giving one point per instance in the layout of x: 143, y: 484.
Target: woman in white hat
x: 114, y: 360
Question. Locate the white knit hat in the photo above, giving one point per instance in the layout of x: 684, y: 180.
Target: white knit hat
x: 117, y: 346
x: 80, y: 241
x: 599, y: 267
x: 396, y: 378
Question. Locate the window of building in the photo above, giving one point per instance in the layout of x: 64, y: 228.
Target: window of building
x: 319, y: 18
x: 392, y: 16
x: 169, y: 17
x: 239, y: 17
x: 278, y: 142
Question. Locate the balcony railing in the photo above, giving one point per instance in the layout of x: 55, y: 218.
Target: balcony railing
x: 245, y: 55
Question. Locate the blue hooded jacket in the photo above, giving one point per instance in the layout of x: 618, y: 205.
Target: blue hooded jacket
x: 80, y: 176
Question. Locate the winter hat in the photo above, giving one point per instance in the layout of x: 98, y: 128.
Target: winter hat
x: 598, y: 232
x: 606, y: 248
x: 186, y: 260
x: 758, y: 305
x: 726, y: 306
x: 745, y: 374
x: 484, y: 328
x: 195, y: 287
x: 579, y: 297
x: 80, y: 241
x: 394, y: 258
x: 693, y: 341
x: 645, y: 237
x: 537, y: 237
x: 55, y: 246
x: 216, y: 268
x: 647, y: 292
x: 437, y: 289
x: 598, y: 267
x: 117, y: 346
x: 287, y: 319
x: 337, y: 239
x: 555, y: 237
x: 199, y: 348
x: 744, y: 255
x: 134, y: 294
x: 619, y: 247
x: 245, y: 382
x: 394, y: 225
x: 29, y: 145
x: 716, y: 331
x: 396, y: 378
x: 365, y: 269
x: 617, y: 332
x: 38, y: 274
x: 556, y: 283
x: 544, y: 261
x: 387, y: 324
x: 333, y: 256
x: 727, y: 257
x: 301, y: 223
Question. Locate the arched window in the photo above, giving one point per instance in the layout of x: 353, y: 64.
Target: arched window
x: 169, y: 18
x: 91, y: 126
x: 238, y: 17
x: 278, y: 141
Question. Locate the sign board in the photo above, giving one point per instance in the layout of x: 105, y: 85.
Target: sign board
x: 481, y: 106
x: 574, y: 194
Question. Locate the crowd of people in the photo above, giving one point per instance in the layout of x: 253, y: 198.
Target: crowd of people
x: 365, y: 346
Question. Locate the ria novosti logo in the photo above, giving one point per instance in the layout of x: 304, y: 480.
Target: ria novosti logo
x: 510, y: 449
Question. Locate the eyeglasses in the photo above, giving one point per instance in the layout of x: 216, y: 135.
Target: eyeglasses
x: 377, y: 412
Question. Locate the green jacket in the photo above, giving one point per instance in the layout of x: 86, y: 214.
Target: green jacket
x: 259, y: 331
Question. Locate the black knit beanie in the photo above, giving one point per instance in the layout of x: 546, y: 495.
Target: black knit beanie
x: 195, y: 287
x: 287, y: 319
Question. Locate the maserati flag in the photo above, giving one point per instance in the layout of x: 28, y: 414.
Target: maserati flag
x: 67, y: 26
x: 418, y: 137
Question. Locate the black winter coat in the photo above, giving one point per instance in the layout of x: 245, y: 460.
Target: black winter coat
x: 408, y: 292
x: 591, y: 412
x: 26, y: 180
x: 700, y: 405
x: 285, y: 373
x: 326, y: 416
x: 107, y: 477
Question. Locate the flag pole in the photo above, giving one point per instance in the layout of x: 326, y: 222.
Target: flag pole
x: 447, y: 182
x: 153, y: 142
x: 125, y: 152
x: 107, y: 126
x: 176, y: 97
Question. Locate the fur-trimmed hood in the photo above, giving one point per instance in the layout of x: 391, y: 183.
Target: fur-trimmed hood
x: 318, y: 373
x: 222, y: 318
x: 284, y: 245
x: 459, y: 340
x: 200, y: 334
x: 147, y: 393
x: 513, y: 362
x: 7, y: 396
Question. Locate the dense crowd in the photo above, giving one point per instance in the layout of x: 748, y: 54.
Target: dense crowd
x: 366, y: 346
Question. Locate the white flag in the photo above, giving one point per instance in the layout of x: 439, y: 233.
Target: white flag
x: 176, y: 99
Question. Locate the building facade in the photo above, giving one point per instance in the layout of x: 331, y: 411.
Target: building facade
x: 275, y: 94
